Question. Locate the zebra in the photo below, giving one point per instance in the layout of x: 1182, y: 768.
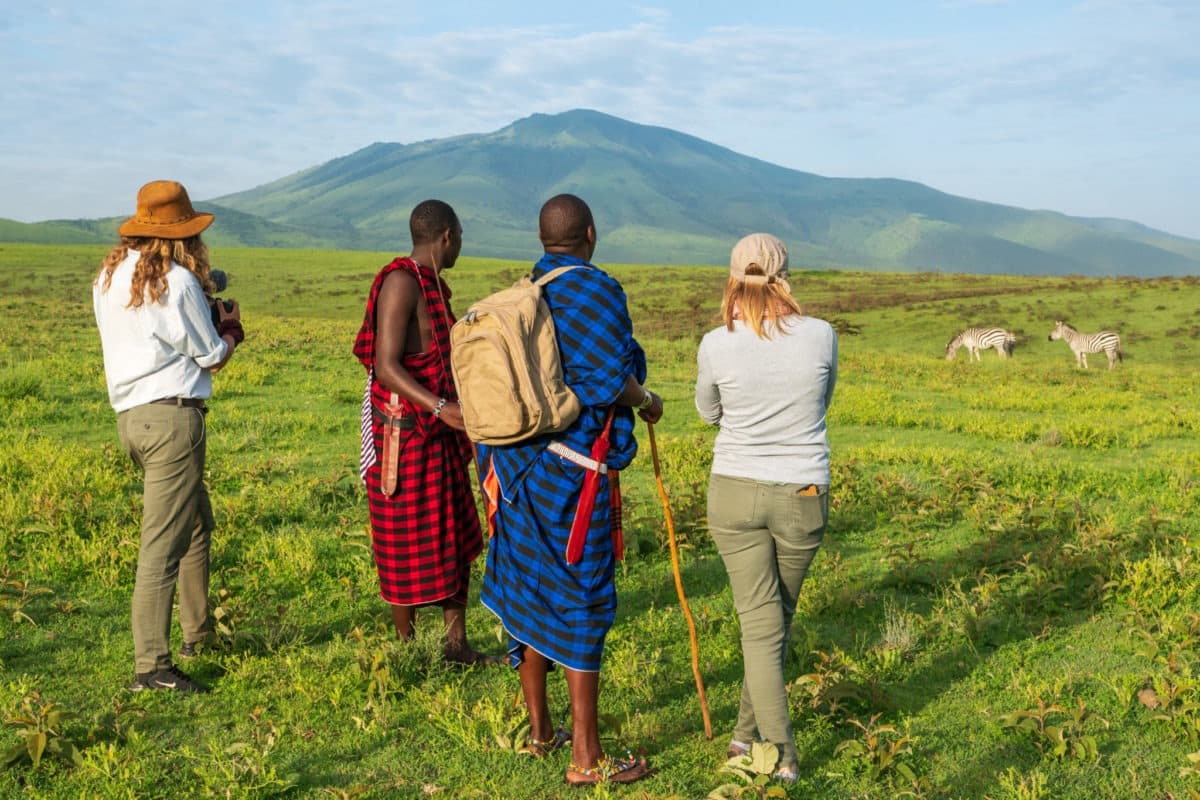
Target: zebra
x: 976, y: 339
x: 1084, y: 343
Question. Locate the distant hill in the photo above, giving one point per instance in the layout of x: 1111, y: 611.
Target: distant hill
x: 661, y: 196
x: 45, y: 233
x: 231, y: 228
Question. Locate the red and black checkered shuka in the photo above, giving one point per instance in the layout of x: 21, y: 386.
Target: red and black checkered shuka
x: 427, y: 534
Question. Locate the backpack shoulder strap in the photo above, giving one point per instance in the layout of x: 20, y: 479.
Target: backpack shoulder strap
x: 554, y: 273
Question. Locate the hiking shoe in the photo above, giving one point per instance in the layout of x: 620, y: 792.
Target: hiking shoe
x: 737, y: 749
x: 188, y: 649
x: 169, y: 678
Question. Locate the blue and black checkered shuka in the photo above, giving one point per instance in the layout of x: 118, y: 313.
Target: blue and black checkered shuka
x: 564, y: 611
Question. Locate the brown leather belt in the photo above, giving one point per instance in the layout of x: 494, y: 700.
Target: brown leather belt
x: 186, y: 402
x: 405, y: 422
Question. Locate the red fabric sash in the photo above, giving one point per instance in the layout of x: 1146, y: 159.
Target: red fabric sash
x: 587, y: 496
x: 490, y: 486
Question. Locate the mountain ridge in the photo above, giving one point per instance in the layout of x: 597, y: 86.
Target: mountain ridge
x: 663, y: 196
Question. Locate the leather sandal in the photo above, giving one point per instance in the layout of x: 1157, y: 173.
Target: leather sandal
x: 470, y: 658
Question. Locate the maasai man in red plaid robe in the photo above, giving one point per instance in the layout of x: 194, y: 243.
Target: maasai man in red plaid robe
x: 425, y: 529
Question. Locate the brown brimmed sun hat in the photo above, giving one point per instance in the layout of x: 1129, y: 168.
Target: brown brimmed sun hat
x: 760, y: 250
x: 165, y: 212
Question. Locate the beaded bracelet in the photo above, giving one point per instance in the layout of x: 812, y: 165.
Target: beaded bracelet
x: 437, y: 410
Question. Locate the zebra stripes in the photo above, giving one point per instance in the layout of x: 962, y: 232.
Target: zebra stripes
x: 976, y: 339
x: 1084, y: 343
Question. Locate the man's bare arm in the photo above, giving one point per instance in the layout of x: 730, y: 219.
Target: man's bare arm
x: 394, y: 314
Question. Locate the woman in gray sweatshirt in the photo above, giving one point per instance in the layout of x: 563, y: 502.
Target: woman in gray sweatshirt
x: 766, y: 377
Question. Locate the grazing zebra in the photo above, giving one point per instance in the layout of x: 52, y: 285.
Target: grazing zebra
x: 976, y: 339
x: 1084, y: 343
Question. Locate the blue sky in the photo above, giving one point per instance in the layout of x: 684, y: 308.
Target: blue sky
x: 1091, y: 108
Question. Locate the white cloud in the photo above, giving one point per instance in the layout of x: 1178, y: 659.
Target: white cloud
x: 231, y: 96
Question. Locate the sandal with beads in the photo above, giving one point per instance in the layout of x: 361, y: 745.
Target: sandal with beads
x: 608, y: 770
x: 540, y: 748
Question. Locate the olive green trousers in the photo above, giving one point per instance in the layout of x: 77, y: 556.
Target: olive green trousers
x: 168, y: 443
x: 767, y: 535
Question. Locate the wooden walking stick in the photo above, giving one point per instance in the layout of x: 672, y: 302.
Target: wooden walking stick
x: 687, y: 613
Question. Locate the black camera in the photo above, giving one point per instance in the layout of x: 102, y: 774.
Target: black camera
x: 220, y: 280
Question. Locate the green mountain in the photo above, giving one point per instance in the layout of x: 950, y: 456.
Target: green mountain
x: 660, y: 196
x: 231, y: 228
x: 663, y: 196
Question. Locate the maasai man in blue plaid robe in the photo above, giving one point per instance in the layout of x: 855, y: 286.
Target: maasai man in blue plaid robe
x: 564, y: 610
x: 558, y: 610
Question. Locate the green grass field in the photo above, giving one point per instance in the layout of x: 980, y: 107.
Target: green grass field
x: 1005, y: 605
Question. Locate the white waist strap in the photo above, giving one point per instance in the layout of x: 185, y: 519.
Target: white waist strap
x: 587, y: 462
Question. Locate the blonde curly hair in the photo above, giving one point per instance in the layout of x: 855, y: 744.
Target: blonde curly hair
x: 150, y: 274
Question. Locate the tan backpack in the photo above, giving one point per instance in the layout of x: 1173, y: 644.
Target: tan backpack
x: 506, y: 366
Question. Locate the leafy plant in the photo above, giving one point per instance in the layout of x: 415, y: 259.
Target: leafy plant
x: 1057, y: 731
x: 227, y: 620
x: 516, y: 739
x: 376, y: 667
x: 1153, y: 584
x: 119, y: 722
x: 40, y: 724
x: 16, y: 594
x: 1176, y: 702
x: 755, y: 770
x: 836, y: 685
x: 880, y: 749
x: 909, y: 567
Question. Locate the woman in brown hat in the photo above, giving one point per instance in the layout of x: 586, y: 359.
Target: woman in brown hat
x: 161, y: 347
x: 766, y: 377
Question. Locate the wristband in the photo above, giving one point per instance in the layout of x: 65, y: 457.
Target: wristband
x: 437, y: 410
x: 231, y: 327
x: 647, y: 401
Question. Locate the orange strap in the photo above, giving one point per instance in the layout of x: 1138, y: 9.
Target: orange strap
x: 491, y: 497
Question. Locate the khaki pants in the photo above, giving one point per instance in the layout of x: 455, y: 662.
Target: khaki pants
x: 168, y: 443
x: 767, y: 534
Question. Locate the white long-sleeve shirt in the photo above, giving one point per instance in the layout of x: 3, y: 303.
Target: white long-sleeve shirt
x: 158, y: 349
x: 770, y: 397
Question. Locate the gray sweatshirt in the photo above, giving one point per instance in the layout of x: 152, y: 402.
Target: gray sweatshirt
x: 769, y: 397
